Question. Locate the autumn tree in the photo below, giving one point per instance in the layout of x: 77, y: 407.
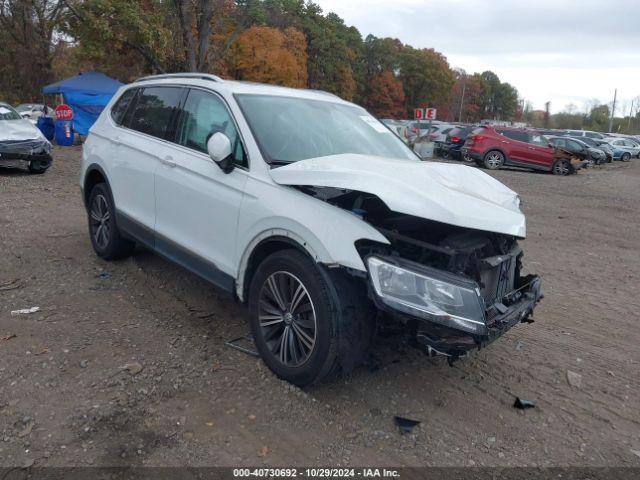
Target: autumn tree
x: 269, y: 55
x: 385, y: 97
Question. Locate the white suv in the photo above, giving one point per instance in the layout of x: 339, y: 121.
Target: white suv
x: 310, y: 211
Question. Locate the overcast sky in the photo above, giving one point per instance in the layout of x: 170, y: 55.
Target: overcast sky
x: 564, y: 51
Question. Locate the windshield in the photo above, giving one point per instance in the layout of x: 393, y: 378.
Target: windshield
x: 8, y: 113
x: 290, y: 129
x: 25, y: 107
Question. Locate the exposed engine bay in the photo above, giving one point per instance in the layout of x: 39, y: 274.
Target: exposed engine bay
x: 492, y: 260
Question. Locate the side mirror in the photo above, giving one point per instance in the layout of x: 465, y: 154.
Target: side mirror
x: 219, y: 148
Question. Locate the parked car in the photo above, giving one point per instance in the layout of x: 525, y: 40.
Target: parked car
x: 33, y: 111
x: 585, y: 133
x: 399, y: 127
x: 312, y: 213
x: 495, y: 147
x: 452, y: 147
x: 21, y: 143
x: 417, y: 129
x: 593, y: 156
x: 623, y: 148
x: 602, y: 145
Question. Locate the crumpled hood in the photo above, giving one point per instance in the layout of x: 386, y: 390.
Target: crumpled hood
x: 454, y: 194
x: 15, y: 130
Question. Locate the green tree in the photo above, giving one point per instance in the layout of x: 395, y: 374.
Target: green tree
x: 426, y: 78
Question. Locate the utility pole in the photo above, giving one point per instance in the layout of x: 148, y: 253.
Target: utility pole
x: 464, y: 85
x: 613, y: 109
x: 630, y: 115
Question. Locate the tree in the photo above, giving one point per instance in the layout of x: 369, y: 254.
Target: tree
x: 28, y: 33
x: 426, y: 78
x: 385, y: 97
x: 107, y: 30
x: 265, y: 54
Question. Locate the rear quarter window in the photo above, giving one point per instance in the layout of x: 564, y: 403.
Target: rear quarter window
x: 119, y: 109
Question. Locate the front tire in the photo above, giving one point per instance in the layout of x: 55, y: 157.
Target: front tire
x: 562, y: 167
x: 493, y: 160
x: 106, y: 239
x: 39, y: 166
x: 306, y: 321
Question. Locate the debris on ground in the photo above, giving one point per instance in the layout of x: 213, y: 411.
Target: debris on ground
x: 133, y: 368
x: 84, y: 363
x: 25, y: 311
x: 635, y: 452
x: 246, y: 339
x: 103, y: 276
x: 11, y: 285
x: 8, y: 337
x: 523, y: 404
x: 263, y: 451
x: 574, y: 379
x: 406, y: 425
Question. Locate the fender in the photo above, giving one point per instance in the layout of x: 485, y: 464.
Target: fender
x: 314, y: 249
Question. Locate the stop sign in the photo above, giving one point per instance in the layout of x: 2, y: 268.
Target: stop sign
x: 64, y: 112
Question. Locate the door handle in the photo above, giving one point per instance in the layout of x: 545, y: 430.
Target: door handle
x: 504, y: 141
x: 531, y: 148
x: 168, y: 161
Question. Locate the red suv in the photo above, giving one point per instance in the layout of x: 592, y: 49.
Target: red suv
x: 494, y: 147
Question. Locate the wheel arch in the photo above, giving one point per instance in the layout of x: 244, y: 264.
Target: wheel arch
x: 93, y: 176
x: 495, y: 149
x: 264, y: 245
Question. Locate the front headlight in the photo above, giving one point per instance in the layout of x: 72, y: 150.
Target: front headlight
x: 428, y: 293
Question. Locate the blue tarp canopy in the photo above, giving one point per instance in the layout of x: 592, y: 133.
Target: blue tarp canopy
x: 87, y: 94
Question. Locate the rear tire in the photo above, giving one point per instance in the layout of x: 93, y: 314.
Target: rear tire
x: 303, y: 318
x: 494, y: 159
x: 625, y: 157
x: 106, y: 239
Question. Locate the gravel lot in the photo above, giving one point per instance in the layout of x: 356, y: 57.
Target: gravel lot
x: 66, y: 398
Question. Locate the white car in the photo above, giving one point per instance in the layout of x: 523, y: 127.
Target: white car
x: 310, y: 211
x: 33, y: 111
x: 21, y: 143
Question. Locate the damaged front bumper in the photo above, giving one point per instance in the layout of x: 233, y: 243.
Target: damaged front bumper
x: 13, y: 151
x: 447, y: 322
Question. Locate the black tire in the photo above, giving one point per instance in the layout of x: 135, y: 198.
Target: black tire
x: 625, y: 157
x: 562, y: 167
x: 105, y: 237
x: 493, y: 159
x: 341, y: 330
x: 39, y: 166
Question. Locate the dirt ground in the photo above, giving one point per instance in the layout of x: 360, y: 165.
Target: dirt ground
x: 65, y: 398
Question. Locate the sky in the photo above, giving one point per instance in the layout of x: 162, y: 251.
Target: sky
x: 562, y: 51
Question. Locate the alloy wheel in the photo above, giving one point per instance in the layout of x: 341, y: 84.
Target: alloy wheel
x: 287, y: 319
x: 561, y: 168
x: 494, y: 160
x: 100, y: 221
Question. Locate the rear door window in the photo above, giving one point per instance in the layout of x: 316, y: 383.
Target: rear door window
x: 155, y: 109
x: 516, y: 135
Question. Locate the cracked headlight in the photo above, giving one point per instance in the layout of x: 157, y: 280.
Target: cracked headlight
x: 428, y: 293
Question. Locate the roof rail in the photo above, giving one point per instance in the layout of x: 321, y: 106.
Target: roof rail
x: 194, y: 75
